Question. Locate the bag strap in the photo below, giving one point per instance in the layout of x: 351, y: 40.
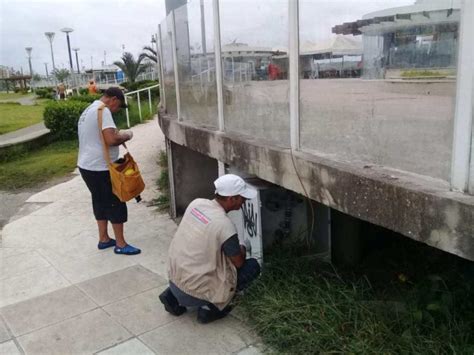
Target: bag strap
x: 105, y: 149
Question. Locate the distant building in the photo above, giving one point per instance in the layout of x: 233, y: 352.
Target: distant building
x: 420, y: 36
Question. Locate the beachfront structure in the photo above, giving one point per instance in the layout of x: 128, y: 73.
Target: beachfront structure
x: 393, y: 149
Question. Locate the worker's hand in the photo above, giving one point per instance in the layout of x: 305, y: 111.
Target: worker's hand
x: 127, y: 134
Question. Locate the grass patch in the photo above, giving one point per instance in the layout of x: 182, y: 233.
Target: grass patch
x: 423, y: 73
x: 134, y: 116
x: 302, y: 306
x: 29, y: 169
x: 15, y: 116
x: 12, y: 95
x: 162, y: 202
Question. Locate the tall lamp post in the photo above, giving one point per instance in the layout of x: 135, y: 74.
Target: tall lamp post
x: 50, y: 36
x: 67, y: 30
x: 28, y: 51
x: 46, y: 68
x: 77, y: 60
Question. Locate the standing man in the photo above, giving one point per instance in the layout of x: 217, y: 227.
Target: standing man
x: 61, y: 91
x: 206, y: 263
x: 94, y: 170
x: 92, y: 88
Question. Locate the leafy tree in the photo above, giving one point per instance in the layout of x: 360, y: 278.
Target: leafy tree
x: 131, y: 67
x: 61, y: 74
x: 150, y: 53
x: 36, y: 77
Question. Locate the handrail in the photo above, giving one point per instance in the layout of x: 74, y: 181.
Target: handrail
x: 137, y: 92
x: 147, y: 88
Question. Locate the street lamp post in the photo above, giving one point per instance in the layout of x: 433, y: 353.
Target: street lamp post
x: 67, y: 30
x: 28, y: 51
x: 50, y: 36
x: 77, y: 60
x: 46, y: 68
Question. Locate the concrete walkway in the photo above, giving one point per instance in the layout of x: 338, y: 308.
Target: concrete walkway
x: 23, y: 135
x: 25, y: 100
x: 60, y: 295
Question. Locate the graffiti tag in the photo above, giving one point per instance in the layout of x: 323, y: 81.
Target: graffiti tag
x: 250, y: 219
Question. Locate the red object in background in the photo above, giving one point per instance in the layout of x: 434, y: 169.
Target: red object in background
x: 273, y: 71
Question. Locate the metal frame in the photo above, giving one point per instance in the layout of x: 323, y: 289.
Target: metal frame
x: 169, y: 153
x: 218, y: 61
x: 175, y: 64
x: 462, y: 164
x: 293, y: 30
x: 162, y: 73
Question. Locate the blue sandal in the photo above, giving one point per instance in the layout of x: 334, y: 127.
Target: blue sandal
x: 105, y: 245
x: 127, y: 250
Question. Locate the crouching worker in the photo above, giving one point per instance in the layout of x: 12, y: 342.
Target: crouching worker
x: 206, y: 263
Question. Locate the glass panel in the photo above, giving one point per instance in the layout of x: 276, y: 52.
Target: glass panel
x: 378, y: 82
x: 168, y: 67
x: 254, y: 39
x: 196, y: 64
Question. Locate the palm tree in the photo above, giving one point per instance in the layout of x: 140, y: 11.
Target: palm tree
x: 61, y: 74
x: 131, y: 67
x: 150, y: 53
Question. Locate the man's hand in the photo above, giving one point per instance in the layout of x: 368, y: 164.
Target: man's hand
x: 113, y: 137
x: 127, y: 134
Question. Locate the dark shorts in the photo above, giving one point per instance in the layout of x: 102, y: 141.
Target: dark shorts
x: 105, y: 204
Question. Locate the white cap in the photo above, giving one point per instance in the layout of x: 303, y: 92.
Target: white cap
x: 233, y: 185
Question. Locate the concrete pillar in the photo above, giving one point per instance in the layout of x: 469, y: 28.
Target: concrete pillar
x: 346, y: 239
x: 193, y: 175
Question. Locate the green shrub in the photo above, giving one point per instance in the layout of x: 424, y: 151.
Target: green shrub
x: 20, y: 90
x: 61, y: 117
x: 83, y: 91
x: 45, y: 93
x: 85, y: 98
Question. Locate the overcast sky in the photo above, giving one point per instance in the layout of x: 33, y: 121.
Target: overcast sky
x: 98, y: 26
x: 107, y: 25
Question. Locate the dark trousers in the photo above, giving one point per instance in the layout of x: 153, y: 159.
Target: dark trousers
x: 245, y: 275
x: 105, y: 204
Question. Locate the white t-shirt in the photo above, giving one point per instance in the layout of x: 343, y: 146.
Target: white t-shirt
x: 91, y: 154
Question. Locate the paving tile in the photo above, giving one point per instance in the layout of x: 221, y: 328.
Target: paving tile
x: 9, y: 348
x: 22, y: 263
x: 141, y: 313
x: 130, y: 347
x: 61, y: 209
x: 35, y: 283
x: 95, y: 265
x: 72, y: 190
x: 194, y: 338
x: 63, y: 251
x: 120, y: 284
x: 85, y: 334
x: 4, y: 333
x: 40, y: 231
x: 45, y: 310
x: 7, y: 252
x: 250, y: 350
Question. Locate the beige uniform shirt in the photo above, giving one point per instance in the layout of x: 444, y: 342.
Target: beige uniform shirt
x: 197, y: 264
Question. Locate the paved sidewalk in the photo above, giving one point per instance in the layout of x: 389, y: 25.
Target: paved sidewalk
x: 60, y: 295
x: 23, y: 135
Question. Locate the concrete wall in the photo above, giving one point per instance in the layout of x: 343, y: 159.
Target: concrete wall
x: 193, y: 175
x: 418, y: 207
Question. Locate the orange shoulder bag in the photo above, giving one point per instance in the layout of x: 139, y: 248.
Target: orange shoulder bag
x: 127, y: 181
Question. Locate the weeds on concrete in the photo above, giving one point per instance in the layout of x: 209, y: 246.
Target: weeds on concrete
x: 304, y: 306
x: 162, y: 202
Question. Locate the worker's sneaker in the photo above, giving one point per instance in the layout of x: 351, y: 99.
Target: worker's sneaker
x: 210, y: 313
x: 171, y: 303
